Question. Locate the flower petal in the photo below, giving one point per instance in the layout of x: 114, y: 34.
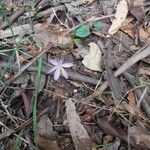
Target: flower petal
x: 67, y: 65
x: 53, y: 61
x: 51, y: 70
x: 57, y: 74
x: 60, y: 62
x: 64, y: 73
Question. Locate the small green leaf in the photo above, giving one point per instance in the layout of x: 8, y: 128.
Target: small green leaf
x: 97, y: 25
x: 83, y: 31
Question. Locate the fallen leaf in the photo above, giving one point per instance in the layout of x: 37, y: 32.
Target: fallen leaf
x: 10, y: 145
x: 88, y: 114
x: 82, y: 31
x: 93, y: 59
x: 137, y: 12
x: 120, y: 16
x: 132, y: 110
x: 143, y: 34
x: 97, y: 25
x: 87, y: 1
x: 127, y: 27
x: 140, y: 136
x: 138, y: 3
x: 79, y: 135
x: 132, y: 99
x: 45, y: 128
x: 45, y: 144
x: 27, y: 103
x: 32, y: 52
x: 54, y: 34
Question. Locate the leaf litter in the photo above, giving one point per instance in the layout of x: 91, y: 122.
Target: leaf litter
x: 94, y: 82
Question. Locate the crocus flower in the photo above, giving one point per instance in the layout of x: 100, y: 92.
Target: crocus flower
x: 58, y: 68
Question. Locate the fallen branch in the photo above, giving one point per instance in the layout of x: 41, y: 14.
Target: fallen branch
x: 7, y: 133
x: 72, y: 75
x: 110, y: 129
x: 142, y: 53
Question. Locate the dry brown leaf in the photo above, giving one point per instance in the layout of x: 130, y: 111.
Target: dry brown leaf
x: 27, y: 103
x: 45, y: 144
x: 140, y: 136
x: 127, y: 27
x: 88, y: 114
x: 132, y: 99
x: 120, y: 16
x: 137, y: 12
x: 130, y: 109
x: 45, y: 128
x: 143, y: 34
x: 93, y: 59
x: 58, y: 37
x: 79, y: 135
x: 10, y: 145
x: 33, y: 52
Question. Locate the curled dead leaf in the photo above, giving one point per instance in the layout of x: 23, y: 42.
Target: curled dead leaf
x: 120, y: 16
x: 93, y: 59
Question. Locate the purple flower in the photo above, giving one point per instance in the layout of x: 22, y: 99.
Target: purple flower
x: 58, y: 67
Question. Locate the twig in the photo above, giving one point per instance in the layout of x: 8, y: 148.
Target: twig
x: 24, y: 125
x: 135, y: 58
x: 110, y: 129
x: 72, y: 75
x: 49, y: 11
x: 26, y: 66
x: 5, y: 107
x: 11, y: 20
x: 142, y: 53
x: 92, y: 19
x: 8, y: 133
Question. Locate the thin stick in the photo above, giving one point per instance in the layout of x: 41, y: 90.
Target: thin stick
x: 15, y: 16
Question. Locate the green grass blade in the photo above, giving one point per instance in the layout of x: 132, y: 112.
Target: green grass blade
x: 37, y: 89
x: 17, y: 143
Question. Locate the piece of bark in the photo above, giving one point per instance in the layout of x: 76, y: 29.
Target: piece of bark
x: 79, y: 135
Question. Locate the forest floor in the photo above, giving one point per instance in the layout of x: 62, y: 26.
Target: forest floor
x: 75, y: 75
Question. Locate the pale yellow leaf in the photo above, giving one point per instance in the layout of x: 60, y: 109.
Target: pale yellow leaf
x: 87, y: 1
x: 93, y: 59
x: 120, y: 17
